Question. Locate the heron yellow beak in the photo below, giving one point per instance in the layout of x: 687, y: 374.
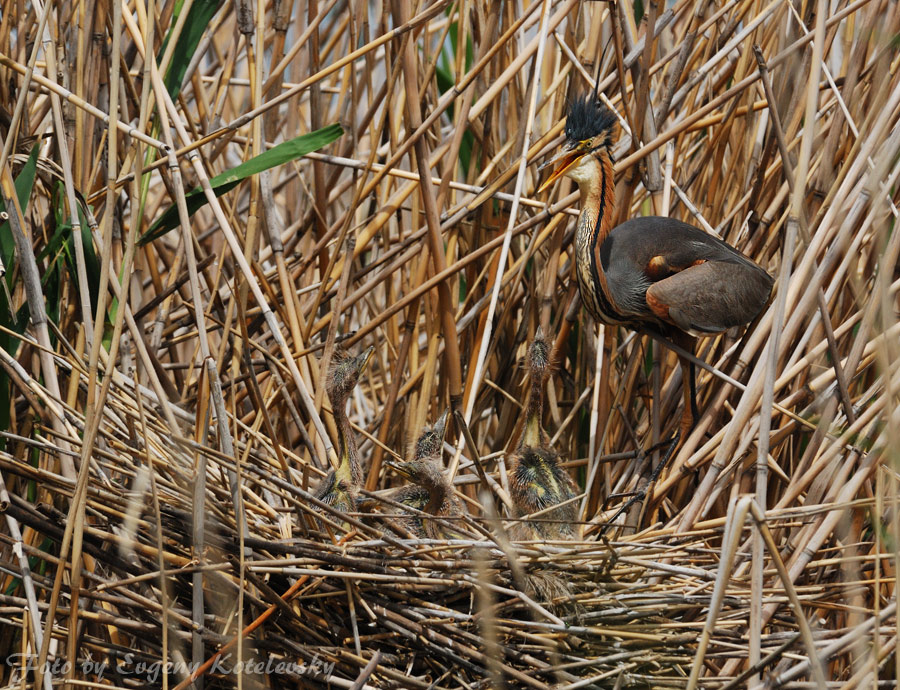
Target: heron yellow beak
x: 565, y: 160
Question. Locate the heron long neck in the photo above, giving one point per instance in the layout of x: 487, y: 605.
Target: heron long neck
x: 598, y: 199
x: 349, y: 469
x: 598, y: 205
x: 438, y: 491
x: 534, y: 412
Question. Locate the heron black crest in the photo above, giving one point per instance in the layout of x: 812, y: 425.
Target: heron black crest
x: 587, y: 118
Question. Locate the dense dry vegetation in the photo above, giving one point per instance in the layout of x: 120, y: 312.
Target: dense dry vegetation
x: 164, y: 418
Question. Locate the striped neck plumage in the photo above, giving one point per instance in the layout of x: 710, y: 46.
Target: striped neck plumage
x: 349, y: 469
x: 438, y: 494
x: 598, y: 196
x: 595, y: 179
x: 532, y: 435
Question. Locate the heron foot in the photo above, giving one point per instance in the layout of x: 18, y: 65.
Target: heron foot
x: 641, y: 493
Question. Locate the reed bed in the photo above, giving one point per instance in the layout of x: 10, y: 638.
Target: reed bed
x: 164, y: 350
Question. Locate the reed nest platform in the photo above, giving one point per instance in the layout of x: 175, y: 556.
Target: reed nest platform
x: 206, y: 204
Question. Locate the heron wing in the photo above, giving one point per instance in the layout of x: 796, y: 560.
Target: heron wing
x: 711, y: 296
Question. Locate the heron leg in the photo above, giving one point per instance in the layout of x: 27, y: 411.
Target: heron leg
x: 641, y: 493
x: 691, y: 414
x: 689, y: 417
x: 640, y: 454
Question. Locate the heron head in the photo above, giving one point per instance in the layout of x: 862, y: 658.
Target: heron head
x: 431, y: 440
x: 589, y: 129
x: 344, y: 373
x: 424, y: 472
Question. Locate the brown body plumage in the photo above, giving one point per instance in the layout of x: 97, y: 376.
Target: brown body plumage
x: 430, y: 492
x: 536, y: 480
x: 652, y: 272
x: 340, y: 485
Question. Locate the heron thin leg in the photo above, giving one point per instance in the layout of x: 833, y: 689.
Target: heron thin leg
x: 695, y: 412
x: 689, y: 417
x: 640, y: 454
x: 691, y: 414
x: 641, y: 494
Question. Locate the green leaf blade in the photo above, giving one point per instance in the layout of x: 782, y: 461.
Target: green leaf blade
x: 197, y: 21
x: 228, y: 180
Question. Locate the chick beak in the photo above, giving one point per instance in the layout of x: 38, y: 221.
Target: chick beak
x: 440, y: 426
x: 398, y: 468
x: 364, y: 357
x: 565, y: 160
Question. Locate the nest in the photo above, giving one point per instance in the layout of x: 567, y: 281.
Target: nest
x: 354, y: 601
